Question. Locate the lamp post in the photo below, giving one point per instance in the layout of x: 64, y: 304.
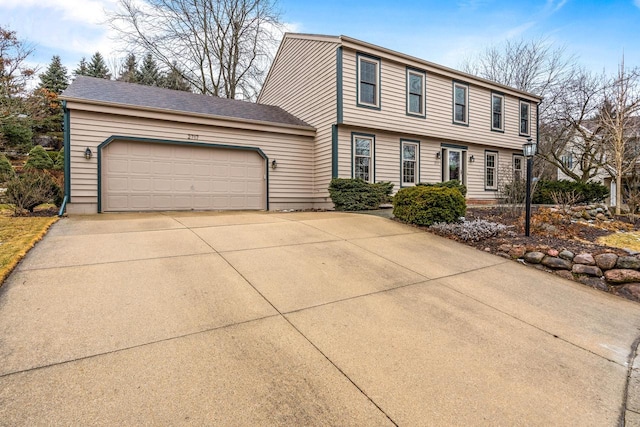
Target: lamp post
x: 529, y: 150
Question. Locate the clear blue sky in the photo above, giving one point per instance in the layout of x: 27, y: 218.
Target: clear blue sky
x: 597, y: 32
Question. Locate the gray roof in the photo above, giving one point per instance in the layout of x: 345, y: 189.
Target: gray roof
x: 130, y: 94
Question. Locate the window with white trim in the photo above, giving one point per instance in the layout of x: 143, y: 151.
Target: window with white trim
x: 497, y: 112
x: 525, y: 118
x: 453, y: 164
x: 415, y: 93
x: 410, y: 163
x: 460, y: 103
x: 363, y: 157
x: 490, y: 170
x: 518, y: 168
x: 368, y: 81
x: 567, y: 161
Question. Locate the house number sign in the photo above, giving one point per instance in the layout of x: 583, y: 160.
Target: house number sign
x: 193, y: 137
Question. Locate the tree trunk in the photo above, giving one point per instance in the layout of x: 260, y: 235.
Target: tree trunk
x: 618, y: 193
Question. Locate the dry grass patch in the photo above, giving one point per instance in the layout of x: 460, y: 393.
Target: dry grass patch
x: 17, y: 236
x: 629, y: 240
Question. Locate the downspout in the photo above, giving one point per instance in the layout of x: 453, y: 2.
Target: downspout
x: 67, y: 158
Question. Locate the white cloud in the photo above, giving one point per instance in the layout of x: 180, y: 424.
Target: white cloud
x: 519, y: 30
x: 553, y: 6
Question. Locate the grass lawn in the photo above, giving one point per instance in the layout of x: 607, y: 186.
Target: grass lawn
x: 17, y: 236
x: 629, y: 240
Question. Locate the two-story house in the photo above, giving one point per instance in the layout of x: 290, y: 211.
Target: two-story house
x: 330, y: 107
x: 382, y: 115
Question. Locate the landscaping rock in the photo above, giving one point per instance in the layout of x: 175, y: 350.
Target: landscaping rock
x: 601, y: 217
x: 586, y: 259
x: 556, y: 263
x: 590, y: 270
x: 622, y: 276
x: 606, y: 261
x: 517, y: 252
x: 533, y: 257
x: 552, y: 252
x: 565, y: 274
x: 504, y: 248
x: 594, y: 282
x: 630, y: 291
x: 503, y: 255
x: 628, y: 262
x: 565, y: 254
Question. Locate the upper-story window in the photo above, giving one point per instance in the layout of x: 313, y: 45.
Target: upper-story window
x: 497, y: 112
x: 460, y: 103
x: 368, y: 81
x: 525, y: 118
x: 416, y: 93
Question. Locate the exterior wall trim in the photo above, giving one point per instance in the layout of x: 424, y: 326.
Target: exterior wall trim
x: 174, y: 142
x: 339, y: 91
x: 334, y: 151
x: 67, y: 150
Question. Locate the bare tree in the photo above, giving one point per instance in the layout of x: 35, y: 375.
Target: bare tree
x: 221, y: 47
x: 534, y: 66
x: 570, y: 130
x: 620, y: 121
x: 14, y: 72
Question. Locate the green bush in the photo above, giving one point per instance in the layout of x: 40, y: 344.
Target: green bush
x: 58, y: 164
x: 357, y: 194
x: 32, y: 188
x: 454, y: 183
x: 38, y: 159
x: 429, y: 204
x: 590, y: 192
x: 17, y: 133
x: 6, y: 170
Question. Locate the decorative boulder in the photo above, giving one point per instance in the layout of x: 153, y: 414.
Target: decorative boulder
x: 628, y: 262
x: 622, y: 276
x: 533, y: 257
x: 606, y: 261
x: 556, y: 263
x: 565, y: 254
x: 586, y: 259
x: 590, y: 270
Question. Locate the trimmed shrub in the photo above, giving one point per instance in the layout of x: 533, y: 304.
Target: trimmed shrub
x: 454, y: 183
x: 590, y: 192
x: 427, y: 205
x: 357, y: 194
x: 38, y: 159
x: 32, y: 188
x: 16, y: 133
x: 58, y: 164
x: 6, y: 170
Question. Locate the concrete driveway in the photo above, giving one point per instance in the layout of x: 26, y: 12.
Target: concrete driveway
x: 301, y: 319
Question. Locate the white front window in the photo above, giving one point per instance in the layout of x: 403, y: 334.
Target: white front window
x: 518, y: 168
x: 368, y: 81
x: 491, y: 170
x: 410, y: 161
x: 363, y: 157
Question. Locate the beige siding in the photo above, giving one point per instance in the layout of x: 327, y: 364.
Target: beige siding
x: 439, y: 111
x: 290, y: 185
x: 302, y: 81
x: 388, y: 167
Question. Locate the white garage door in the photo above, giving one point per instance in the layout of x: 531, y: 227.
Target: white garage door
x: 142, y: 176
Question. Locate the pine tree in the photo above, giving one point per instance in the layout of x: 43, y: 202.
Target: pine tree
x: 82, y: 68
x: 149, y: 72
x: 38, y: 159
x: 129, y: 72
x: 174, y: 80
x: 6, y: 170
x: 55, y: 78
x: 58, y: 164
x: 97, y: 67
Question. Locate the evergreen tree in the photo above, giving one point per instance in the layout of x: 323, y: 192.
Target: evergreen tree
x: 82, y: 68
x: 97, y: 67
x: 58, y: 164
x: 174, y: 79
x: 129, y: 72
x: 6, y: 170
x: 38, y: 159
x: 149, y: 72
x: 55, y: 78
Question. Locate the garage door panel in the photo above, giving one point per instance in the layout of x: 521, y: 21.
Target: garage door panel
x: 148, y: 176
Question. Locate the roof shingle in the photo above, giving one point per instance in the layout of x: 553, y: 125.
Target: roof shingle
x: 129, y: 94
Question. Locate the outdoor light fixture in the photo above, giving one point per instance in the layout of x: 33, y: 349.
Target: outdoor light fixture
x: 87, y: 153
x: 274, y: 164
x: 438, y: 155
x: 472, y: 159
x: 529, y: 150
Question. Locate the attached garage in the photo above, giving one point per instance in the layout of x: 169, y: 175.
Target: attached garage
x: 147, y: 176
x: 137, y: 148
